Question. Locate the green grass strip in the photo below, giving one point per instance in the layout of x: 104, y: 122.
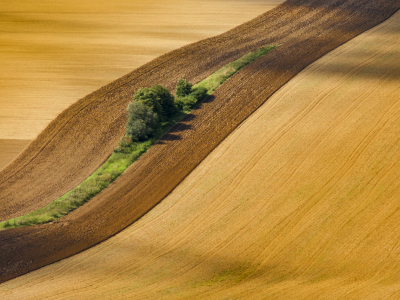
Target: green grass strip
x: 212, y: 82
x: 118, y: 162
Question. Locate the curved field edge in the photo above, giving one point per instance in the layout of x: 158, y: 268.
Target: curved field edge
x: 80, y: 139
x: 117, y: 163
x: 299, y: 202
x: 307, y: 33
x: 77, y: 142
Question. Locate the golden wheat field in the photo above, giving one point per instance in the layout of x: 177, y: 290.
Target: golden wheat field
x: 53, y: 53
x: 299, y: 202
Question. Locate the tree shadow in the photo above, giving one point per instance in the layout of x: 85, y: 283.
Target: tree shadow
x: 180, y: 127
x: 169, y: 137
x: 182, y: 124
x: 207, y: 100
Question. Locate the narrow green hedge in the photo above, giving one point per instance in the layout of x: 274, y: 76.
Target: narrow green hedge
x: 127, y: 152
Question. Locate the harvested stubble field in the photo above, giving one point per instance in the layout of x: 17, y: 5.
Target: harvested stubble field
x: 300, y: 202
x: 68, y: 150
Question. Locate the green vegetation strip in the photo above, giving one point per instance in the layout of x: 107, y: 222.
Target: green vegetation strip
x: 125, y: 154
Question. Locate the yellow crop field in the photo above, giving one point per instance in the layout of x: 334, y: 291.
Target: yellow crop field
x: 300, y: 202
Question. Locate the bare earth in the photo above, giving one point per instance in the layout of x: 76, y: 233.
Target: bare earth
x: 68, y: 147
x: 53, y: 53
x: 299, y: 202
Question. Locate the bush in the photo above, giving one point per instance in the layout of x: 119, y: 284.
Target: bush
x: 124, y: 145
x: 189, y: 101
x: 149, y: 98
x: 166, y: 100
x: 199, y: 93
x: 158, y: 98
x: 183, y: 88
x: 186, y: 103
x: 141, y: 121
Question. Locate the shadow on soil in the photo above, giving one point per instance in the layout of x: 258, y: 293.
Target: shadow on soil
x: 169, y: 137
x: 212, y: 271
x: 181, y: 126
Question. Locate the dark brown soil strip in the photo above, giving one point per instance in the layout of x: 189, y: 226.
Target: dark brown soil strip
x: 82, y: 137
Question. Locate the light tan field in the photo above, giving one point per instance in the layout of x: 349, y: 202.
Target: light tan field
x: 9, y: 149
x: 53, y: 53
x: 300, y: 202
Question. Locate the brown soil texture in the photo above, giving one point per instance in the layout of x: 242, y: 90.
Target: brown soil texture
x: 68, y: 151
x: 299, y: 202
x: 54, y: 53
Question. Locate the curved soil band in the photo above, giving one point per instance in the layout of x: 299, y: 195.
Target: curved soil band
x: 82, y: 137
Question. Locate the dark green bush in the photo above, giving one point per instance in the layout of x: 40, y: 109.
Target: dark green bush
x: 199, y: 93
x: 186, y: 103
x: 141, y: 121
x: 189, y: 101
x: 183, y: 88
x: 166, y: 100
x: 150, y: 99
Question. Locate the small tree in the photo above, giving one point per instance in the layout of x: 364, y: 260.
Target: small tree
x: 183, y: 88
x: 165, y: 98
x: 141, y: 121
x: 149, y: 98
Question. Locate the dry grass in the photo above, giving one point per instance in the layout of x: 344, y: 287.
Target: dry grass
x: 300, y: 202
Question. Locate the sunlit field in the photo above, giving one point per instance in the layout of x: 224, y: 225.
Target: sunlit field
x: 53, y: 53
x: 301, y: 201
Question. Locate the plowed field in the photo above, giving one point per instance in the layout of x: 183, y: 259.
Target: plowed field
x: 300, y: 202
x: 53, y: 53
x: 81, y: 138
